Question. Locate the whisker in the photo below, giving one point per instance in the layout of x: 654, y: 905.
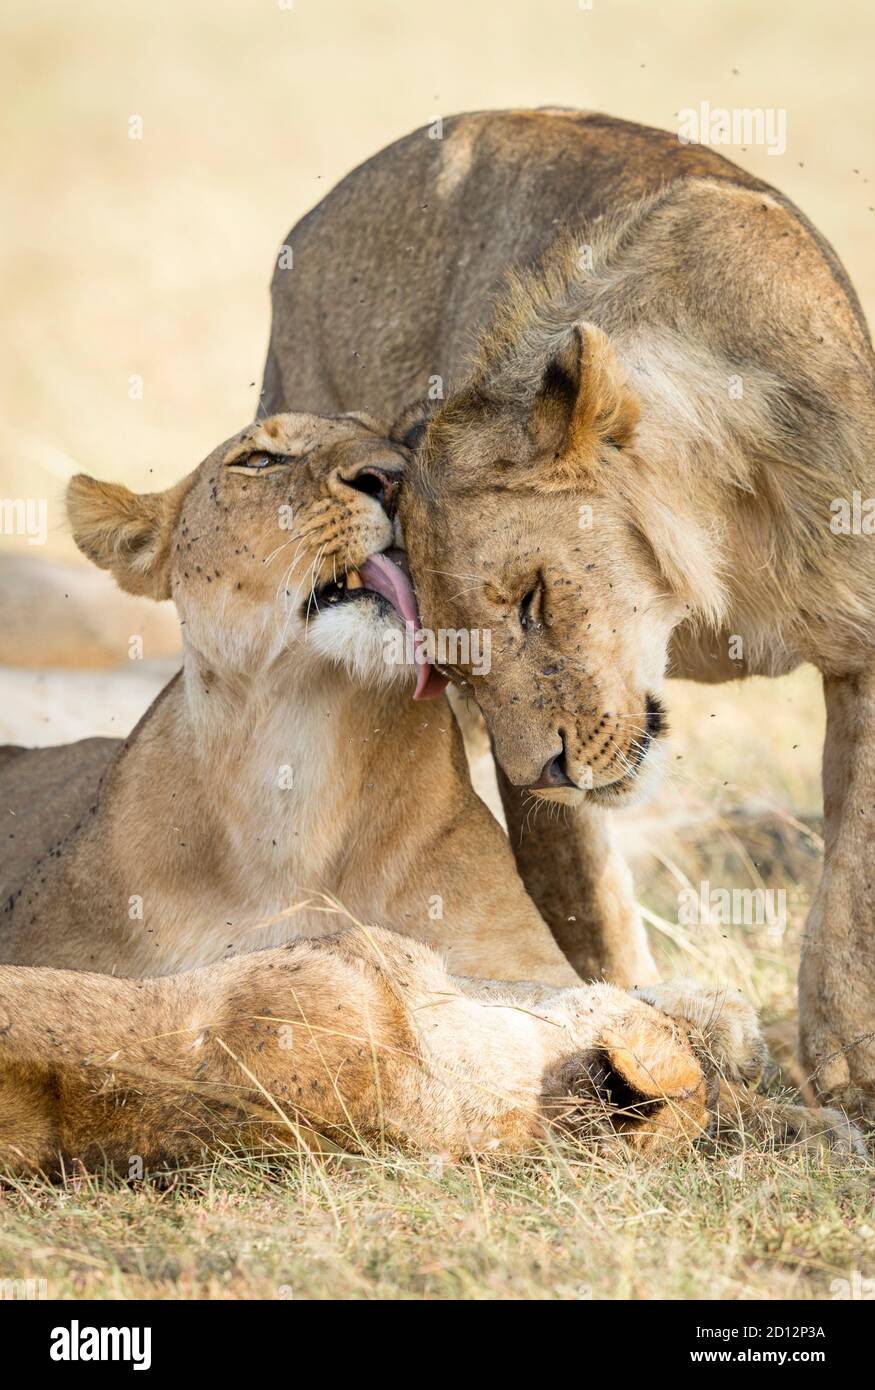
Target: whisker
x: 452, y: 574
x: 313, y: 571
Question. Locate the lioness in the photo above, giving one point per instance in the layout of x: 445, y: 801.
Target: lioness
x: 265, y: 774
x: 267, y: 769
x: 655, y: 459
x: 285, y: 760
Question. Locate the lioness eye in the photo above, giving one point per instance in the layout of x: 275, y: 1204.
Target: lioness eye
x: 259, y: 462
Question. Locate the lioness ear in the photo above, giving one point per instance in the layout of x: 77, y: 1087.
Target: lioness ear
x: 126, y: 532
x: 580, y: 405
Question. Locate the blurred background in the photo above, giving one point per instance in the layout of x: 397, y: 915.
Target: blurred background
x: 135, y: 295
x: 151, y: 257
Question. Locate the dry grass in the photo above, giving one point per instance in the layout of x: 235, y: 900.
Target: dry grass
x: 757, y: 1227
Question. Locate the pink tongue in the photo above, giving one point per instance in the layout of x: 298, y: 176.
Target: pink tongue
x: 385, y: 577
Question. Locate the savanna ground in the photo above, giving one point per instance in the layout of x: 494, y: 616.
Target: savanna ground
x: 135, y: 308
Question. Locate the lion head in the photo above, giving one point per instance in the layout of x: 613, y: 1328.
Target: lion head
x: 532, y: 515
x: 283, y: 541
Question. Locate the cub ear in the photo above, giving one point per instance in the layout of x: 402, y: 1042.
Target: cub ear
x: 580, y: 405
x: 126, y: 532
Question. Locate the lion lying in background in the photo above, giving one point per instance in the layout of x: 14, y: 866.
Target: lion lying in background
x: 287, y: 761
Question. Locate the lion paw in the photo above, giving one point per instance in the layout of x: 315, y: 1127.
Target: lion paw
x: 724, y: 1028
x: 825, y: 1126
x: 856, y: 1101
x: 838, y: 1054
x: 777, y: 1124
x: 641, y: 1079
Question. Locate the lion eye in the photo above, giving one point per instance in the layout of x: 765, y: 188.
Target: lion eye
x: 259, y: 462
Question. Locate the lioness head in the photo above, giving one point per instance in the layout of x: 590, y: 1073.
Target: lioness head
x: 529, y: 514
x: 284, y: 539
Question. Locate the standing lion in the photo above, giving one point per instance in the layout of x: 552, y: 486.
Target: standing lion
x: 658, y: 445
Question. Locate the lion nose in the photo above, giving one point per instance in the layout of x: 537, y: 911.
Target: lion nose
x: 553, y: 773
x: 382, y: 486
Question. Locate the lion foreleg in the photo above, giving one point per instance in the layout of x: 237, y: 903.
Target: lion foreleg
x: 350, y: 1039
x: 582, y: 887
x: 837, y: 973
x: 262, y: 1050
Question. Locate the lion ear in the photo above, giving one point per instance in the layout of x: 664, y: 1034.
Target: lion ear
x: 126, y: 532
x: 580, y: 405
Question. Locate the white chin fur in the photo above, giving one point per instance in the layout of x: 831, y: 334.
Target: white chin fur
x: 353, y: 635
